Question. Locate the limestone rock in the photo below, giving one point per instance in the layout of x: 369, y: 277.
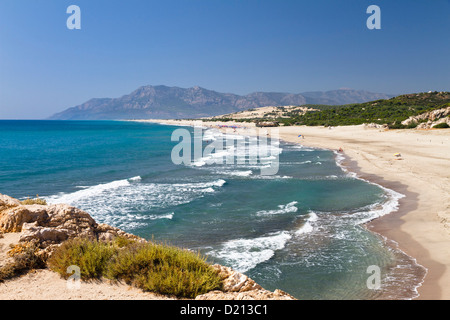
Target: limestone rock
x: 7, y: 202
x: 12, y: 219
x: 52, y: 224
x: 429, y: 119
x: 45, y: 235
x: 375, y: 126
x: 106, y: 232
x: 237, y: 286
x: 234, y: 281
x: 257, y: 294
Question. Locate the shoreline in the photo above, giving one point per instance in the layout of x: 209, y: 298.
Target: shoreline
x: 391, y: 222
x: 420, y: 228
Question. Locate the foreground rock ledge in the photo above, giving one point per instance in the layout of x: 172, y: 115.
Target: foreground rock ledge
x: 50, y: 225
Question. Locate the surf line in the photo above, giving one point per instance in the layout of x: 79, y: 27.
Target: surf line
x: 225, y: 148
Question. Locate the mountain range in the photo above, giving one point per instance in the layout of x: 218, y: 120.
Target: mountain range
x: 163, y: 102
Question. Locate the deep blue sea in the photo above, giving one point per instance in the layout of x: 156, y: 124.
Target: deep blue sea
x: 300, y: 230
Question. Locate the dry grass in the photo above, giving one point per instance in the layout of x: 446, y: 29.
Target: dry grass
x: 36, y: 200
x: 25, y: 257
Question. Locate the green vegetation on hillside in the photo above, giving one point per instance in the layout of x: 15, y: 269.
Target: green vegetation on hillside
x: 442, y: 125
x: 391, y: 112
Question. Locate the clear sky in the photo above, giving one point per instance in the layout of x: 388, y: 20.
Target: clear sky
x: 238, y: 46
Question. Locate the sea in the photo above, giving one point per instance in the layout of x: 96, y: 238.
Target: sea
x: 301, y: 230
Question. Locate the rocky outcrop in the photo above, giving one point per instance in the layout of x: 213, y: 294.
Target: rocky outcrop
x: 246, y: 295
x: 375, y: 126
x: 237, y: 286
x: 50, y: 225
x: 429, y: 119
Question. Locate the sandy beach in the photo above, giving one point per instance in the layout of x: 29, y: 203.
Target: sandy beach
x: 421, y: 226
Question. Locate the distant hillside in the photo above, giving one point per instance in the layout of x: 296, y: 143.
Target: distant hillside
x: 391, y: 112
x: 162, y: 102
x: 342, y: 96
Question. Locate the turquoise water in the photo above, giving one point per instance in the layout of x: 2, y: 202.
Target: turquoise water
x: 300, y: 230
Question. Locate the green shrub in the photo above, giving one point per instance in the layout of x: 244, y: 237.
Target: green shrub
x: 152, y: 267
x: 412, y: 125
x: 442, y: 125
x: 164, y: 269
x: 91, y: 257
x: 123, y: 242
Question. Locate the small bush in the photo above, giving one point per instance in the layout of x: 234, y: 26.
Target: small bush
x: 152, y: 267
x: 412, y: 125
x: 164, y: 269
x: 123, y: 242
x: 36, y: 200
x: 25, y: 257
x: 442, y: 125
x: 90, y: 256
x: 396, y: 125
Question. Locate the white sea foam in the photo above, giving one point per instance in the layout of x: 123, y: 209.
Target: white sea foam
x: 129, y: 203
x: 245, y: 254
x: 245, y: 150
x: 200, y: 185
x: 237, y: 173
x: 165, y: 216
x: 308, y: 226
x: 377, y: 210
x: 286, y: 208
x: 274, y: 177
x: 87, y: 192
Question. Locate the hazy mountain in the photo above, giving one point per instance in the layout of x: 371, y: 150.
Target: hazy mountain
x: 343, y: 96
x: 162, y: 102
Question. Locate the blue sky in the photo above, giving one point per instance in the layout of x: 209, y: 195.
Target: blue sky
x: 238, y: 46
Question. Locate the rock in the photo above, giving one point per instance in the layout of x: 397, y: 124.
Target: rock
x: 7, y: 202
x: 237, y: 286
x: 12, y: 219
x: 258, y: 294
x: 52, y: 224
x: 44, y: 235
x: 234, y: 281
x: 107, y: 233
x: 429, y: 119
x: 375, y: 126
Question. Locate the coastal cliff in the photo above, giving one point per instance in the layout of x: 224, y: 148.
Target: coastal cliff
x: 47, y: 227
